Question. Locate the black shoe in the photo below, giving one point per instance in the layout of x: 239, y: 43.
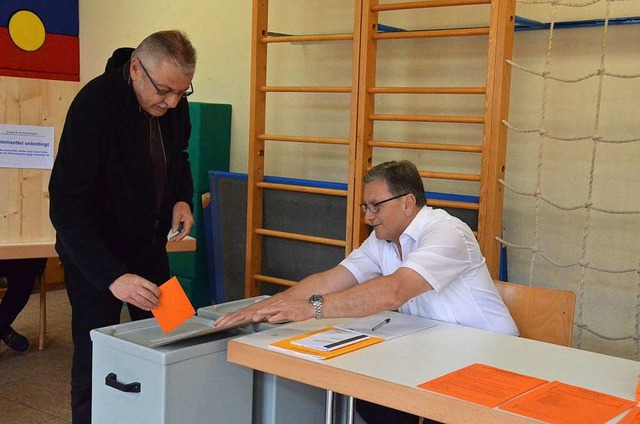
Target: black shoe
x: 16, y: 341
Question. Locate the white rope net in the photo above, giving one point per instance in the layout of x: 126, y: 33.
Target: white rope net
x: 579, y: 192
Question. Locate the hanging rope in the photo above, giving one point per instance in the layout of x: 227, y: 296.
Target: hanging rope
x: 595, y: 138
x: 578, y: 138
x: 598, y: 73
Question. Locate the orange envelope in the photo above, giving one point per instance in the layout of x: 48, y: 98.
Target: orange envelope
x: 174, y: 308
x: 483, y: 384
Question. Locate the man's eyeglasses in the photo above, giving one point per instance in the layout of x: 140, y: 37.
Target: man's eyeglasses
x: 166, y: 92
x: 375, y: 207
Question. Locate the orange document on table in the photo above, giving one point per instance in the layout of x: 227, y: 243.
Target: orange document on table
x: 174, y: 308
x: 632, y: 417
x: 560, y: 403
x: 483, y: 384
x: 290, y: 345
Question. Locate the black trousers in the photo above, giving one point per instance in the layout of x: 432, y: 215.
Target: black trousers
x: 377, y: 414
x: 91, y: 309
x: 21, y: 276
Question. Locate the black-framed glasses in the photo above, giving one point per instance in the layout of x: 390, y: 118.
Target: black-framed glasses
x: 375, y: 207
x: 166, y: 92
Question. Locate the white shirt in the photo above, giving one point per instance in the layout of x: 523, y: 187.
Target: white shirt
x: 444, y: 251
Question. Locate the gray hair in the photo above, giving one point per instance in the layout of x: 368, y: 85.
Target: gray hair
x: 173, y: 45
x: 401, y: 177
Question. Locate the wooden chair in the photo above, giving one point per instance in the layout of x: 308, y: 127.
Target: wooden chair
x: 541, y: 314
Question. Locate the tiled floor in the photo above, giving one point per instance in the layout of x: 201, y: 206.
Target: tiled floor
x: 34, y: 387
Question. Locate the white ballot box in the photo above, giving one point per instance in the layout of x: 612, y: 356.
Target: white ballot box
x: 276, y: 400
x: 137, y: 378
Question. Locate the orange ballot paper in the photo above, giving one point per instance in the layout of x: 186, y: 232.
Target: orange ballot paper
x: 174, y: 308
x: 560, y: 403
x: 633, y: 417
x: 482, y: 384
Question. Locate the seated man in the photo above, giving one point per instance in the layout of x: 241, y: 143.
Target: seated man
x: 419, y: 260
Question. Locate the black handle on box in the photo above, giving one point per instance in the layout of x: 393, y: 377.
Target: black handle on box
x: 111, y: 380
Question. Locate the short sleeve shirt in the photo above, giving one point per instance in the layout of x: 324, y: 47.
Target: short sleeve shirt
x: 444, y: 251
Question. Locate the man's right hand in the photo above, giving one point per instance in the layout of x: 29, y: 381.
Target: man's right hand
x: 244, y: 314
x: 136, y: 291
x: 234, y: 317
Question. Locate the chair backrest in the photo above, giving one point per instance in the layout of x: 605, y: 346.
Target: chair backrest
x: 540, y: 314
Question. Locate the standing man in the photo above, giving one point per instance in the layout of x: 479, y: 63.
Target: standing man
x: 419, y: 260
x: 120, y: 182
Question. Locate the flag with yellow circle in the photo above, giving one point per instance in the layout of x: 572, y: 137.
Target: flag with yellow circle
x: 39, y: 39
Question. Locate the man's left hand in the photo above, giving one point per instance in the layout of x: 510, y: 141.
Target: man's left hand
x: 181, y: 215
x: 286, y: 310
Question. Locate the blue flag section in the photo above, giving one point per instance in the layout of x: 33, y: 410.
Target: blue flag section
x: 59, y: 16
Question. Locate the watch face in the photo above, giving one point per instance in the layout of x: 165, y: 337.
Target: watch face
x: 315, y: 299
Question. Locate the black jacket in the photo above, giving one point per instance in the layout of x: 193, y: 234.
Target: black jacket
x: 102, y: 191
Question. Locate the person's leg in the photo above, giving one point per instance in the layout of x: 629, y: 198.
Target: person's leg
x: 89, y: 309
x: 21, y: 275
x: 373, y: 413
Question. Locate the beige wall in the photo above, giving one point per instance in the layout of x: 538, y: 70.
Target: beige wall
x: 220, y: 30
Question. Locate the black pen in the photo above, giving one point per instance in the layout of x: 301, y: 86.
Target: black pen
x: 386, y: 321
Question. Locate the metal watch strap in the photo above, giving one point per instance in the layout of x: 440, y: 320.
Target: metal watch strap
x: 316, y: 301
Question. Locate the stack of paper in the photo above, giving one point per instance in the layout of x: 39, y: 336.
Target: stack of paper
x: 329, y: 340
x: 325, y: 343
x: 388, y: 325
x: 551, y: 402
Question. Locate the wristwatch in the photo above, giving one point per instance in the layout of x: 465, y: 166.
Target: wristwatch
x: 316, y: 301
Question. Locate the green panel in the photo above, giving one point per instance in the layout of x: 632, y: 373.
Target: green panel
x: 209, y: 148
x: 210, y: 141
x: 197, y: 291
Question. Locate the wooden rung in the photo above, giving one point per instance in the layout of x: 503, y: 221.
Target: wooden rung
x: 457, y: 32
x: 300, y: 139
x: 427, y: 90
x: 453, y: 204
x: 274, y: 280
x: 426, y: 146
x: 304, y: 89
x: 302, y: 189
x: 426, y: 4
x: 306, y: 38
x: 300, y: 237
x: 429, y: 118
x: 449, y: 176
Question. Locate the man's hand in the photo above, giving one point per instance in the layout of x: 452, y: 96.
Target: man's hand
x: 181, y: 215
x: 286, y: 310
x: 238, y: 316
x: 136, y: 291
x: 260, y: 311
